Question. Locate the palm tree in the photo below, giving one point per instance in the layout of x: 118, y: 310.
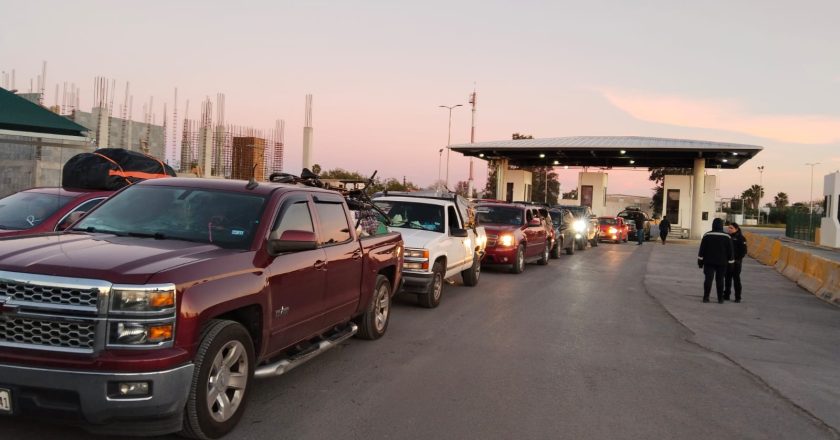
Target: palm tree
x: 753, y: 194
x: 780, y: 200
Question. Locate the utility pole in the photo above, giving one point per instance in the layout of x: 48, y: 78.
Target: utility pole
x: 760, y: 191
x: 811, y: 198
x: 449, y: 138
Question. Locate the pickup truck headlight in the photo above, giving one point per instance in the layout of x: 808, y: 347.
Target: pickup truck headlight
x: 416, y: 259
x: 506, y: 240
x: 142, y: 316
x: 613, y: 230
x: 143, y: 299
x: 579, y: 225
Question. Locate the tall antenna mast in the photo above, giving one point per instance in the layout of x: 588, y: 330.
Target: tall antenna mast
x: 307, y: 134
x: 470, y: 183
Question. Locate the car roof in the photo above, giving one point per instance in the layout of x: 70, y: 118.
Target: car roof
x: 410, y: 199
x: 505, y: 204
x: 67, y: 192
x: 262, y: 188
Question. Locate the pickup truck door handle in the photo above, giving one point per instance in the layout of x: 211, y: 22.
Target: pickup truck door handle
x: 357, y: 254
x: 321, y: 265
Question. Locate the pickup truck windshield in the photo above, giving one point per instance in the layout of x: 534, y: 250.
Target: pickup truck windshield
x: 26, y: 210
x: 607, y: 221
x: 499, y: 215
x: 226, y: 219
x: 413, y: 215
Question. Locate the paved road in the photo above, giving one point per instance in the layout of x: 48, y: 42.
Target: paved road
x: 576, y: 350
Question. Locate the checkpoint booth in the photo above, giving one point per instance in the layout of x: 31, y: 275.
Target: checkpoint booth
x: 691, y: 197
x: 830, y: 223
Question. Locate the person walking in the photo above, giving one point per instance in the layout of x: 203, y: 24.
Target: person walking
x: 716, y: 253
x: 640, y: 231
x: 733, y: 273
x: 664, y: 228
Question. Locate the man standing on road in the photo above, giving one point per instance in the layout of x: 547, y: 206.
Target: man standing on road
x: 640, y: 231
x: 664, y: 228
x: 739, y: 243
x: 716, y: 253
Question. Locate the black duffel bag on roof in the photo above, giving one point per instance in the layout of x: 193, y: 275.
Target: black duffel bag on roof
x: 112, y: 169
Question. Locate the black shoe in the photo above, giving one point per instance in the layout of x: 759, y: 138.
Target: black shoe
x: 720, y: 300
x: 705, y: 300
x: 737, y: 300
x: 726, y: 298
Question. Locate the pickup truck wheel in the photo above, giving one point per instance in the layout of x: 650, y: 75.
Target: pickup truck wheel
x: 571, y: 249
x: 595, y: 241
x: 224, y: 367
x: 373, y: 323
x: 545, y: 256
x: 519, y: 263
x: 431, y: 298
x: 471, y: 275
x: 581, y: 244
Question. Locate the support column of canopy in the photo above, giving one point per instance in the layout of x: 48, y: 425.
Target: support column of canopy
x: 501, y: 187
x: 697, y: 188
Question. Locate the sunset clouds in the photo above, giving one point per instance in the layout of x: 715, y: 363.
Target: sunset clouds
x: 725, y: 114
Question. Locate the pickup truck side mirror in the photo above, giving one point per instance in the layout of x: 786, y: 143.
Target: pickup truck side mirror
x: 291, y: 241
x: 535, y: 222
x: 462, y: 233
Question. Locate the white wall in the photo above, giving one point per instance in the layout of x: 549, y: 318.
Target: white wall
x: 830, y: 224
x: 523, y: 182
x: 683, y: 183
x: 598, y: 181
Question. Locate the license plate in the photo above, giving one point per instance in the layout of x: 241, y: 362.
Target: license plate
x: 5, y: 401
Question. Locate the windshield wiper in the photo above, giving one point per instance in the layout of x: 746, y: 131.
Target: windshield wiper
x: 100, y: 231
x: 156, y: 235
x: 8, y: 228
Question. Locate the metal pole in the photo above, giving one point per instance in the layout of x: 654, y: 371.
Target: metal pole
x: 440, y: 156
x: 760, y: 192
x: 448, y: 138
x: 811, y: 199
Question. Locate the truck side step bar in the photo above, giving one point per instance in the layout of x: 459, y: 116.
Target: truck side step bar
x: 285, y: 365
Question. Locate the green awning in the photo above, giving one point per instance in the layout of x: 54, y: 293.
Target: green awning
x: 20, y: 114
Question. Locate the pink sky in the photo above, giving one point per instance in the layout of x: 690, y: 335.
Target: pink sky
x: 379, y: 70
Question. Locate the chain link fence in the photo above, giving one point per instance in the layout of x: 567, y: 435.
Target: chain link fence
x: 802, y: 225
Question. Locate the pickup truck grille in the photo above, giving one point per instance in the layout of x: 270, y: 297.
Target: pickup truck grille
x: 491, y: 240
x: 47, y: 334
x: 52, y: 313
x: 49, y: 295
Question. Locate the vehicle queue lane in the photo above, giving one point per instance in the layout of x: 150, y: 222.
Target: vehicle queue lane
x: 576, y: 349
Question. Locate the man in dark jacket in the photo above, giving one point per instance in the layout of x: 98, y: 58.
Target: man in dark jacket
x: 739, y: 244
x: 664, y: 228
x: 716, y: 253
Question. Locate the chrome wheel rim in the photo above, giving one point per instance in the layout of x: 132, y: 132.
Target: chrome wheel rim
x: 477, y: 268
x: 520, y: 259
x: 383, y: 308
x: 227, y: 381
x: 438, y: 286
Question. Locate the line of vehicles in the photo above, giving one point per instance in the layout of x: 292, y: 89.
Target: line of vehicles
x: 152, y: 309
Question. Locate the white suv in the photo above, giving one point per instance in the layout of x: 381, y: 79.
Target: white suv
x: 441, y: 240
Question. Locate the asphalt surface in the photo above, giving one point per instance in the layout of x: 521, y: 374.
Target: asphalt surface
x: 579, y: 349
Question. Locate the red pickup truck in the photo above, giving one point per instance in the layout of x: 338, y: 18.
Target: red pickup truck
x: 156, y: 311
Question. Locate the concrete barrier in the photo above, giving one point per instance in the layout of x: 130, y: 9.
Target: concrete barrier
x: 830, y: 290
x: 795, y: 265
x: 758, y: 244
x: 782, y: 261
x: 769, y: 253
x: 816, y: 272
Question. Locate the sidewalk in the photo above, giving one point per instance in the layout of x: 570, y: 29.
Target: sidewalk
x: 780, y: 333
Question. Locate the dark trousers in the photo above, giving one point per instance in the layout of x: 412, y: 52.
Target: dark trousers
x: 733, y: 273
x: 664, y: 236
x: 640, y: 236
x: 718, y: 272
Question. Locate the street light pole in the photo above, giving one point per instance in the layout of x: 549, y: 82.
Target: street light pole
x: 811, y: 197
x: 760, y: 191
x: 440, y: 156
x: 449, y: 138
